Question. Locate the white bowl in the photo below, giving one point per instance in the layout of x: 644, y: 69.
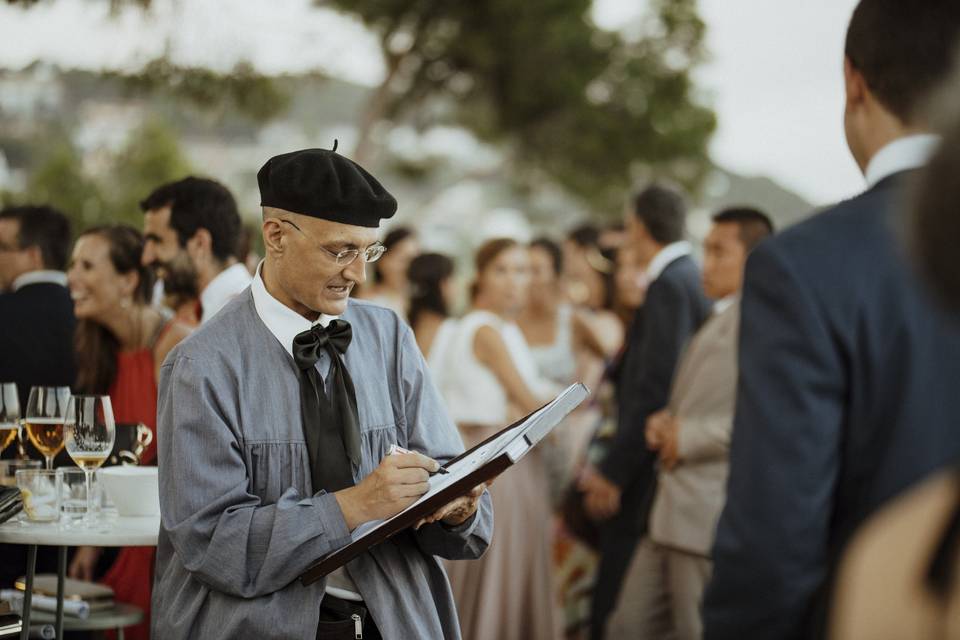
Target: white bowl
x: 134, y: 490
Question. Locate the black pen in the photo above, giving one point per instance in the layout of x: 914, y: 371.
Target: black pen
x: 395, y: 448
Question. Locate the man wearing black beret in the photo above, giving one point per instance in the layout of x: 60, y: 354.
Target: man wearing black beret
x: 275, y: 425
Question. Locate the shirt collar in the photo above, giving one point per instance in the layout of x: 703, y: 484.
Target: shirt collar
x: 908, y: 152
x: 223, y: 287
x: 724, y: 303
x: 282, y: 321
x: 665, y: 256
x: 36, y: 277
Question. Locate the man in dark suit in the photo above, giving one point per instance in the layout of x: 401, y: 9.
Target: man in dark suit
x: 621, y: 488
x: 36, y: 326
x: 848, y: 371
x: 36, y: 312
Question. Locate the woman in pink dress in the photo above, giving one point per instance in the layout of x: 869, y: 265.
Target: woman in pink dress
x: 121, y: 342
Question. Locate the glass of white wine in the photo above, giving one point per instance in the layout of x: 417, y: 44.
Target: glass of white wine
x: 88, y: 433
x: 46, y: 411
x: 9, y: 414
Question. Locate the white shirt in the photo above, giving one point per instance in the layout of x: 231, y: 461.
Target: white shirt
x: 908, y: 152
x: 285, y: 323
x: 665, y: 256
x: 222, y: 289
x: 724, y: 303
x: 36, y: 277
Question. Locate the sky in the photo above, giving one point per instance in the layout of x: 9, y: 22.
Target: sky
x: 774, y: 76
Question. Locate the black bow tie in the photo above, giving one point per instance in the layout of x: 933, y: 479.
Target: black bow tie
x: 330, y: 420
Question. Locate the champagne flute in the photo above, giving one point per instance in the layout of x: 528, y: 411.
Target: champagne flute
x: 88, y: 433
x: 46, y: 410
x: 9, y: 414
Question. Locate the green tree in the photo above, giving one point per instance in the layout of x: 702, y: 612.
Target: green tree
x: 59, y: 180
x: 151, y: 156
x: 586, y: 107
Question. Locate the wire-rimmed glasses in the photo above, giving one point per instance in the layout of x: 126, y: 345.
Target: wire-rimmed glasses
x: 346, y: 257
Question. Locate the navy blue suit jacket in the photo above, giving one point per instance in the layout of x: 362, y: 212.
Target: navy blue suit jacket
x: 848, y: 393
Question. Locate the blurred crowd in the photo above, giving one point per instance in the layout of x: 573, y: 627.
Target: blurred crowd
x: 759, y: 405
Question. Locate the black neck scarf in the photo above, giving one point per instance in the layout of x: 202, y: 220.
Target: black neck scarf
x: 331, y: 424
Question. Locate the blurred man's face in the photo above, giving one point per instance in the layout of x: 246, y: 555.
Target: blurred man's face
x: 724, y: 258
x: 161, y: 249
x: 14, y: 261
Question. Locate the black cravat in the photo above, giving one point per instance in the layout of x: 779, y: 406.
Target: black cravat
x: 330, y: 423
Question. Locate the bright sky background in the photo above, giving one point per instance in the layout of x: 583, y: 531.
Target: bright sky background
x: 774, y: 76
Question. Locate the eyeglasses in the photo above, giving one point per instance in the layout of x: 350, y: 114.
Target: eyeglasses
x: 347, y: 256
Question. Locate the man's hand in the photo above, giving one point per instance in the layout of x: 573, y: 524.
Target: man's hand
x: 657, y: 424
x: 458, y: 511
x: 601, y: 497
x: 669, y: 455
x: 392, y: 487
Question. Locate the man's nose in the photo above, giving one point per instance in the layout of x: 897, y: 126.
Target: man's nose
x: 148, y: 256
x: 356, y: 271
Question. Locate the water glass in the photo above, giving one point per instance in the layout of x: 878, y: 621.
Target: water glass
x: 9, y: 468
x: 40, y: 490
x: 74, y: 499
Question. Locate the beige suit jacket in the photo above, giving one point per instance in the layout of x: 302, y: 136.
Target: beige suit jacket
x: 690, y: 497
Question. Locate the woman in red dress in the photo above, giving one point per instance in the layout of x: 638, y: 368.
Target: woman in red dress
x: 121, y: 342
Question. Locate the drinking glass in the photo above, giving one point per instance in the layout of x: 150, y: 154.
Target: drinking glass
x: 9, y: 414
x: 40, y: 491
x: 88, y: 433
x: 46, y: 411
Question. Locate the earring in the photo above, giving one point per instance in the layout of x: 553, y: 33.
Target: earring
x: 125, y: 302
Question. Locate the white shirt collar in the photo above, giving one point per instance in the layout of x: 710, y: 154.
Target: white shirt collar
x: 223, y: 288
x: 282, y: 321
x: 665, y: 256
x: 724, y: 303
x: 908, y: 152
x: 36, y: 277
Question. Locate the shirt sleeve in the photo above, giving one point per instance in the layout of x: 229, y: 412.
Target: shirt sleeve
x: 431, y: 432
x: 221, y: 532
x: 771, y: 549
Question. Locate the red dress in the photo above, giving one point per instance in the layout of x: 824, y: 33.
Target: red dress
x: 134, y: 399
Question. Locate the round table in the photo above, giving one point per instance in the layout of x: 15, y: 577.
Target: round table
x: 115, y: 531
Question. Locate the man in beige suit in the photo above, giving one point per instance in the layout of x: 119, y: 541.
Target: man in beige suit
x: 692, y: 436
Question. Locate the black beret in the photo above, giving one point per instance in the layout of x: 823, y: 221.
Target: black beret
x: 323, y: 184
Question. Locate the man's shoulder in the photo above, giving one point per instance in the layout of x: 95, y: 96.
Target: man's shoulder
x: 222, y: 334
x: 365, y: 315
x: 856, y: 227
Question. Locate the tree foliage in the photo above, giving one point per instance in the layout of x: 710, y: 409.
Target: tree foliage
x: 110, y: 194
x: 587, y: 107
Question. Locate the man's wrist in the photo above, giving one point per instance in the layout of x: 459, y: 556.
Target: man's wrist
x: 351, y: 508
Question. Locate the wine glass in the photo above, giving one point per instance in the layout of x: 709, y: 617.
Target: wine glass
x: 88, y: 433
x: 46, y: 410
x: 9, y: 414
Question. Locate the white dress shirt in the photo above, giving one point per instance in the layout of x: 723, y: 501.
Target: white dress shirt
x: 35, y: 277
x: 223, y: 288
x: 908, y: 152
x: 665, y: 256
x: 285, y: 323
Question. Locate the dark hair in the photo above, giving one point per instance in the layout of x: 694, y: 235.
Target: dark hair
x: 754, y: 224
x: 43, y: 227
x: 586, y: 235
x: 487, y: 253
x: 426, y: 274
x: 553, y: 250
x: 662, y: 211
x: 903, y: 49
x: 96, y: 346
x: 392, y: 239
x: 199, y: 203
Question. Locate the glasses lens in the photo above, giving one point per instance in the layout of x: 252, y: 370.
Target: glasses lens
x: 372, y: 254
x: 346, y: 257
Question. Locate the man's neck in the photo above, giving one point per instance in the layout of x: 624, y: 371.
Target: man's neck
x: 207, y: 273
x: 272, y: 285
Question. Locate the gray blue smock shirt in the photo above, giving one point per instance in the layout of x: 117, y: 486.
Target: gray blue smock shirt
x: 239, y: 519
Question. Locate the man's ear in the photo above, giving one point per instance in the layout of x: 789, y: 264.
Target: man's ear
x: 200, y: 245
x: 272, y: 236
x: 855, y: 85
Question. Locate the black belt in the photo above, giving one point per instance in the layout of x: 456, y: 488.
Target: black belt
x: 345, y: 620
